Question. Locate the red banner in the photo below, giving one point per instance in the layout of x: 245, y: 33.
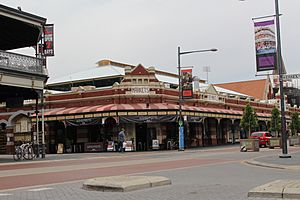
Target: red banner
x: 48, y: 40
x: 187, y: 83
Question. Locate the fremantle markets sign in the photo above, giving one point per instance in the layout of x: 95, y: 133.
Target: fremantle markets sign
x: 140, y: 90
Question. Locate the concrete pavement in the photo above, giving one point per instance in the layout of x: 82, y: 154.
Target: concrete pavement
x: 124, y: 183
x: 282, y: 189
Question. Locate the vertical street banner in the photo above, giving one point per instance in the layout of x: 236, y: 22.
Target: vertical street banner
x: 181, y: 137
x: 187, y: 83
x: 265, y: 45
x: 48, y: 40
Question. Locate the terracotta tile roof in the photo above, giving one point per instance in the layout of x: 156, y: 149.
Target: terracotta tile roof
x: 255, y: 88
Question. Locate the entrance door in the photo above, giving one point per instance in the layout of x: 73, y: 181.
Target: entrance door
x: 151, y: 135
x: 2, y: 139
x: 141, y: 137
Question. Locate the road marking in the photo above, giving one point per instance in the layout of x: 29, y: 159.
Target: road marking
x: 39, y: 189
x: 4, y: 194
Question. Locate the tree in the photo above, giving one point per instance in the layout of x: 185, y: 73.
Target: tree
x: 295, y: 123
x: 275, y: 124
x: 249, y: 120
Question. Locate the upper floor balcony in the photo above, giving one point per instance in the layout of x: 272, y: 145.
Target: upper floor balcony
x: 17, y: 63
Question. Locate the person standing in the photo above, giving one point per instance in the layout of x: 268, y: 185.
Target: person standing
x: 121, y: 139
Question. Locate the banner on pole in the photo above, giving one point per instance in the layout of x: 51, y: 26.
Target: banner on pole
x: 265, y: 45
x: 48, y: 40
x: 187, y: 83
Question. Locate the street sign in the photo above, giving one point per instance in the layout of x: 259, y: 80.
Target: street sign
x: 290, y: 76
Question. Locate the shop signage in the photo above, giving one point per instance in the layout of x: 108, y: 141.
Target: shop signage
x: 93, y: 147
x: 155, y: 144
x: 212, y: 97
x: 83, y: 122
x: 128, y: 145
x: 140, y: 90
x: 194, y: 119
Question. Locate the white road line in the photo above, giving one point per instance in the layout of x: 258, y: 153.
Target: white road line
x: 4, y: 194
x: 39, y: 189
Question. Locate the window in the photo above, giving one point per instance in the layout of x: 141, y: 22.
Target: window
x: 146, y: 81
x: 140, y: 81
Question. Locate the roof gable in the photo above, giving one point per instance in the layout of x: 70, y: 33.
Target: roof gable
x: 139, y: 70
x: 211, y: 90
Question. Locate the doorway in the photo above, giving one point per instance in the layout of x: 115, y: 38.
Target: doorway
x: 144, y: 136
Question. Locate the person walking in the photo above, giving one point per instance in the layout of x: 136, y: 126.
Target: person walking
x: 121, y: 139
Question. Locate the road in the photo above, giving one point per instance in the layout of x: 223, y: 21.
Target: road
x: 207, y: 173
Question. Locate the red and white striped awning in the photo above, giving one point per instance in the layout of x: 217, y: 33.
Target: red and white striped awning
x: 141, y: 107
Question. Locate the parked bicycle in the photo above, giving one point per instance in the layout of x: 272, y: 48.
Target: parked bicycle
x: 24, y: 151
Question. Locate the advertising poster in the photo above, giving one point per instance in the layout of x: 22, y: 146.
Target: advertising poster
x: 48, y: 40
x: 187, y: 83
x: 265, y: 45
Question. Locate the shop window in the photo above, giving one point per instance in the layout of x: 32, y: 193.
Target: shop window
x: 22, y: 125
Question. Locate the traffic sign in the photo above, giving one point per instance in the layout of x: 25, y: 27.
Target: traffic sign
x: 290, y: 76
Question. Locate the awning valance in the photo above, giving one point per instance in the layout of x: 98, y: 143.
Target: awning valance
x: 139, y: 109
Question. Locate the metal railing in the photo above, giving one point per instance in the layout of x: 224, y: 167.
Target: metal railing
x: 21, y: 63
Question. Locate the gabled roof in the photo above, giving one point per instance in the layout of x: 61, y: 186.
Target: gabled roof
x: 204, y: 87
x: 255, y: 88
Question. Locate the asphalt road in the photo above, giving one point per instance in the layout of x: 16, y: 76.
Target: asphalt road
x: 208, y: 173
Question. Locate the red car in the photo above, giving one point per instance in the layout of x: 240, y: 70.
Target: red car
x: 263, y: 136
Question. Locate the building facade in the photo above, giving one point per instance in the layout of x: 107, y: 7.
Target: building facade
x: 88, y: 118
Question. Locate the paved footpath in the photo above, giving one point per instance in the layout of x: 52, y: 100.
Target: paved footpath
x: 212, y: 173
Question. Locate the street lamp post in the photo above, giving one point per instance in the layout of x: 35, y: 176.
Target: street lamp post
x: 280, y: 73
x: 180, y: 119
x: 279, y: 64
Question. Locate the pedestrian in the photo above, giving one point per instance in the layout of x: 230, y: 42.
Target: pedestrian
x: 121, y: 139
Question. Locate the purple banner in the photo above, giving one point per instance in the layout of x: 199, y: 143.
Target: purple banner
x: 265, y: 45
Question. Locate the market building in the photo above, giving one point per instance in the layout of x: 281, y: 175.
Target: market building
x: 85, y: 111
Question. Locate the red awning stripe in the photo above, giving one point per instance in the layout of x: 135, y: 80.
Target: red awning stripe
x: 141, y: 106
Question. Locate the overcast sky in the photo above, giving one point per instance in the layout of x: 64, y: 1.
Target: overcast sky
x: 149, y: 32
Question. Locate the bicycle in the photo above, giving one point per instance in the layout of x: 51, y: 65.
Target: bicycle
x: 24, y: 151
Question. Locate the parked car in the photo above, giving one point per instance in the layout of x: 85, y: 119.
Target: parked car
x: 263, y: 136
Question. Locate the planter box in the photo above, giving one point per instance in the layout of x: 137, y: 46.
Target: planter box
x: 293, y: 141
x: 249, y: 145
x: 275, y: 142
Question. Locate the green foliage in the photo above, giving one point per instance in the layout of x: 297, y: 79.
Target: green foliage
x: 275, y: 124
x: 295, y: 124
x: 249, y: 121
